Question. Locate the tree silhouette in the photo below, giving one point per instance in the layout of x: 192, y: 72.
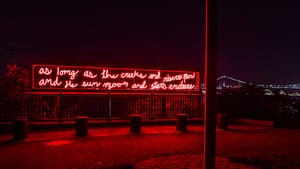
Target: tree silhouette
x: 16, y: 79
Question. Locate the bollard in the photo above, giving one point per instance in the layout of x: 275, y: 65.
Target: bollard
x: 135, y: 123
x: 81, y: 126
x: 20, y: 129
x: 181, y: 123
x: 223, y: 120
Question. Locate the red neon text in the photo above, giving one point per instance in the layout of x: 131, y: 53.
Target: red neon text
x: 45, y: 71
x: 90, y: 84
x: 110, y: 85
x: 181, y: 86
x: 154, y: 76
x: 140, y: 86
x: 71, y: 73
x: 157, y: 85
x: 97, y: 78
x: 69, y: 84
x: 133, y: 75
x: 105, y: 74
x: 89, y: 74
x: 183, y: 77
x: 45, y: 82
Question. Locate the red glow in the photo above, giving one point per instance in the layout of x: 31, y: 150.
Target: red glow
x: 89, y: 74
x: 139, y: 86
x: 181, y: 86
x: 90, y: 84
x: 71, y: 73
x: 157, y: 85
x: 154, y: 76
x: 75, y: 77
x: 183, y: 77
x: 70, y: 84
x: 134, y: 74
x: 45, y: 82
x: 106, y: 75
x: 45, y: 71
x: 110, y: 85
x: 58, y: 142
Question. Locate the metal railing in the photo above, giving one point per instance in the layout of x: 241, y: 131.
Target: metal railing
x: 39, y: 107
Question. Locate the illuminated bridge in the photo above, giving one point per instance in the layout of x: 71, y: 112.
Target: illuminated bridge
x: 224, y: 82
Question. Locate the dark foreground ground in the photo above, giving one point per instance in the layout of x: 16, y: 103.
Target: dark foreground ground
x: 115, y: 147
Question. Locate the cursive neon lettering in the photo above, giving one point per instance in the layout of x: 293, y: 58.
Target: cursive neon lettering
x: 110, y: 85
x: 132, y: 75
x: 71, y: 77
x: 181, y: 86
x: 157, y: 85
x: 105, y: 75
x: 154, y: 76
x: 183, y: 77
x: 63, y: 72
x: 169, y: 78
x: 69, y: 84
x: 140, y: 86
x: 187, y: 76
x: 45, y: 71
x: 90, y: 84
x: 45, y: 82
x: 89, y: 74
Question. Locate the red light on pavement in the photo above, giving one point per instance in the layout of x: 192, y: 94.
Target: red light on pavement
x: 58, y: 142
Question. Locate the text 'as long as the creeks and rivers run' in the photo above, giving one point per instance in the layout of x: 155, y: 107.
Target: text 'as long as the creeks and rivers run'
x: 71, y: 77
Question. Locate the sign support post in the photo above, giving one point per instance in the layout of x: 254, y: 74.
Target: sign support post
x: 210, y: 84
x: 109, y: 106
x: 152, y: 103
x: 59, y: 108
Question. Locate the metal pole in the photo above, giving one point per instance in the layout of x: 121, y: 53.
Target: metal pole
x: 59, y: 107
x: 109, y: 106
x: 152, y: 101
x: 191, y: 106
x: 210, y: 84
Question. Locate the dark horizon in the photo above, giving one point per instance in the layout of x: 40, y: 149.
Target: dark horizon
x: 257, y: 40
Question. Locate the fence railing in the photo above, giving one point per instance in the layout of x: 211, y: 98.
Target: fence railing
x: 38, y: 107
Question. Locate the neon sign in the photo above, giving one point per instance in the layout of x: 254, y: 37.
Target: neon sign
x: 97, y: 78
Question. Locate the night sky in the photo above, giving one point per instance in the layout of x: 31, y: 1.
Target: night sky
x: 258, y: 39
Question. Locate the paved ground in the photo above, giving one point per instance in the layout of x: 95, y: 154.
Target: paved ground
x: 107, y: 147
x: 190, y: 161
